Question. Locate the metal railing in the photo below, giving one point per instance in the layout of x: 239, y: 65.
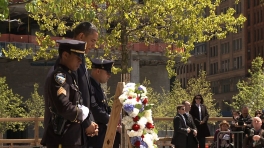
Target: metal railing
x: 164, y: 141
x: 236, y: 141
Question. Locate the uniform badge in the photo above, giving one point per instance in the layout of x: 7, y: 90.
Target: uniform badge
x: 60, y: 78
x: 60, y: 91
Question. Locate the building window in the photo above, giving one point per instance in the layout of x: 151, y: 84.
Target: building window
x: 213, y: 51
x: 225, y: 65
x: 225, y: 86
x: 213, y: 68
x: 225, y: 48
x: 249, y: 40
x: 214, y: 87
x: 237, y: 44
x: 248, y: 54
x: 237, y: 62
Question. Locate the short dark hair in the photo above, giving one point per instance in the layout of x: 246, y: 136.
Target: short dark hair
x: 202, y: 100
x: 84, y: 27
x: 179, y: 107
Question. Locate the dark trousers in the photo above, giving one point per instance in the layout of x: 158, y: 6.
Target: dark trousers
x: 117, y: 140
x: 201, y: 142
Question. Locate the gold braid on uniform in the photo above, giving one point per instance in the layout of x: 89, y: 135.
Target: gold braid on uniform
x: 75, y: 120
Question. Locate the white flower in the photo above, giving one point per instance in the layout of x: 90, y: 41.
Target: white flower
x: 142, y: 122
x: 129, y: 98
x: 148, y: 139
x: 122, y: 98
x: 129, y: 87
x: 133, y: 133
x: 128, y: 122
x: 148, y: 113
x: 134, y: 113
x: 130, y: 101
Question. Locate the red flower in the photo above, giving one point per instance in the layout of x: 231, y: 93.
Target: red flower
x: 149, y: 125
x: 138, y: 98
x: 135, y: 119
x: 129, y: 97
x: 145, y: 101
x: 137, y: 144
x: 135, y: 127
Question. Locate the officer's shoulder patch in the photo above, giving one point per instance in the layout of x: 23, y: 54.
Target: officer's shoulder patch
x: 60, y: 78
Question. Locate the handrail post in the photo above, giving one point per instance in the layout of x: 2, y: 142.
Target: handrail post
x: 36, y: 131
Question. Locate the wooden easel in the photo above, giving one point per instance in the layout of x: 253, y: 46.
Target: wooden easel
x: 114, y: 118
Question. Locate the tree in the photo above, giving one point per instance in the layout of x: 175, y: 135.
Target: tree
x: 251, y: 90
x: 3, y: 9
x: 166, y: 102
x: 11, y: 107
x: 201, y: 86
x: 174, y: 22
x: 35, y: 104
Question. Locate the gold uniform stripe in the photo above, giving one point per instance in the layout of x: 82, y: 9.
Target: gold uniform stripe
x: 60, y: 91
x: 77, y: 51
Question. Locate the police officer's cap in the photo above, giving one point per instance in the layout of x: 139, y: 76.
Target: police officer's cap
x: 74, y: 46
x: 102, y: 64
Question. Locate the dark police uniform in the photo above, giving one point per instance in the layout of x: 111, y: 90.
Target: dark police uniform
x: 86, y: 89
x: 99, y: 107
x: 62, y: 115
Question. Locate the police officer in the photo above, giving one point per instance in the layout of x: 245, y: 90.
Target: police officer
x: 88, y: 33
x: 100, y: 73
x: 64, y: 102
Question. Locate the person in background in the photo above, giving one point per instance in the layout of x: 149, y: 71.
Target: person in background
x: 258, y: 113
x: 181, y: 130
x: 242, y: 124
x: 200, y: 115
x: 192, y: 140
x: 100, y: 73
x: 224, y: 139
x: 255, y: 139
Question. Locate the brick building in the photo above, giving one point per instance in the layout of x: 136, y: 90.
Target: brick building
x: 227, y: 61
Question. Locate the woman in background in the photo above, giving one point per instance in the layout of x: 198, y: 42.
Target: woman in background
x: 200, y: 115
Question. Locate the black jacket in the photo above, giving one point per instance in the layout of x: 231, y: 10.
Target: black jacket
x: 180, y: 134
x: 62, y: 97
x: 85, y: 88
x: 100, y: 110
x: 192, y: 140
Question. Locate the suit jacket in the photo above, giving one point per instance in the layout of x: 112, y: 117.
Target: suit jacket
x: 192, y: 140
x: 100, y: 110
x: 203, y: 130
x: 180, y: 134
x: 248, y: 141
x: 62, y: 97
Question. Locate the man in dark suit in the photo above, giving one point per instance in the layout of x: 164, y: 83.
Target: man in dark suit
x: 181, y: 130
x: 66, y: 111
x: 88, y: 33
x: 100, y: 73
x: 192, y: 141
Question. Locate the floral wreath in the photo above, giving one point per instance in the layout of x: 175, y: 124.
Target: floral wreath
x: 138, y: 121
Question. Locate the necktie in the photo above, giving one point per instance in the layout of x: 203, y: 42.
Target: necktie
x: 184, y: 119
